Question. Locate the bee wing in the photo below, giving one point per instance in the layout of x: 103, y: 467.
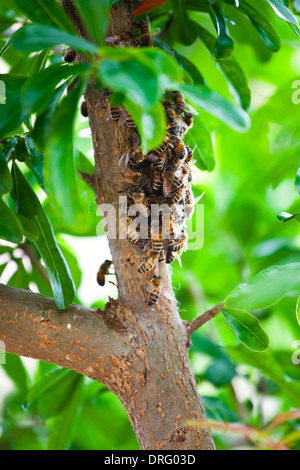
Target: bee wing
x: 136, y: 141
x: 111, y: 39
x: 122, y: 119
x: 120, y: 163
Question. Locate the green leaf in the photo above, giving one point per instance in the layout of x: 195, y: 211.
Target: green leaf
x: 54, y: 380
x: 36, y: 161
x: 151, y: 124
x: 8, y: 149
x: 23, y: 197
x: 182, y: 23
x: 283, y: 12
x: 263, y: 26
x: 230, y: 68
x: 247, y: 328
x: 49, y: 12
x: 95, y: 16
x: 215, y: 104
x: 60, y: 173
x: 199, y: 138
x: 297, y: 181
x: 266, y: 288
x: 43, y: 124
x: 10, y: 227
x: 30, y: 229
x: 59, y: 274
x: 268, y: 365
x: 285, y: 217
x: 60, y: 427
x: 16, y: 371
x: 225, y: 44
x: 167, y: 69
x: 12, y: 114
x: 38, y: 91
x: 298, y: 310
x: 36, y: 37
x: 5, y: 178
x: 133, y: 78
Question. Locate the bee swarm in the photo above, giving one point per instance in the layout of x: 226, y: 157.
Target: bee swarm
x: 159, y: 183
x: 160, y: 190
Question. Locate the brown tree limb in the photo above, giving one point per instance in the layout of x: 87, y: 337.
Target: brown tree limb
x: 204, y: 318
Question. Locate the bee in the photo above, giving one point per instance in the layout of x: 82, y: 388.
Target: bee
x: 120, y: 40
x: 131, y: 176
x: 115, y: 113
x: 162, y: 148
x: 171, y: 116
x: 134, y: 157
x: 149, y: 264
x: 159, y: 164
x: 180, y: 150
x: 177, y: 196
x: 170, y: 257
x: 138, y: 198
x: 177, y: 245
x: 129, y: 121
x: 189, y: 154
x: 132, y: 235
x: 145, y: 36
x: 188, y: 119
x: 157, y: 246
x: 179, y: 102
x: 84, y: 109
x: 154, y: 289
x: 103, y: 271
x: 70, y: 55
x: 168, y: 226
x: 156, y: 181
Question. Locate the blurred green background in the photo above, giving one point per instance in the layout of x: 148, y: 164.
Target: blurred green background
x: 253, y: 181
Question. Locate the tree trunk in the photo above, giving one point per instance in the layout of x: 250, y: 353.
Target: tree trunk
x: 139, y: 352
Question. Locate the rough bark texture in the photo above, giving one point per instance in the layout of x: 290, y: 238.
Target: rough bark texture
x: 139, y: 352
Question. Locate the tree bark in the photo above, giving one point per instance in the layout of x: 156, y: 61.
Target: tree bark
x: 139, y: 352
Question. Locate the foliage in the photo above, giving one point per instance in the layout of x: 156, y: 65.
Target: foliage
x: 214, y: 53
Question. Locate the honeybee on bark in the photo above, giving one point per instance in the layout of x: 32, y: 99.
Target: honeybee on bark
x: 156, y: 180
x: 170, y: 257
x: 149, y: 263
x: 120, y: 40
x: 129, y: 120
x: 138, y: 197
x: 189, y: 154
x: 131, y: 176
x: 103, y: 271
x: 188, y: 119
x: 132, y: 234
x: 154, y: 289
x: 178, y: 245
x: 177, y: 196
x: 145, y: 35
x: 180, y: 150
x: 179, y: 102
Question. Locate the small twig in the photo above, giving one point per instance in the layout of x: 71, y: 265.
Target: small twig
x: 204, y: 318
x: 166, y: 28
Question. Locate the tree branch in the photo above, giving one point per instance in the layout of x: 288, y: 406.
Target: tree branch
x: 204, y: 318
x: 78, y: 338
